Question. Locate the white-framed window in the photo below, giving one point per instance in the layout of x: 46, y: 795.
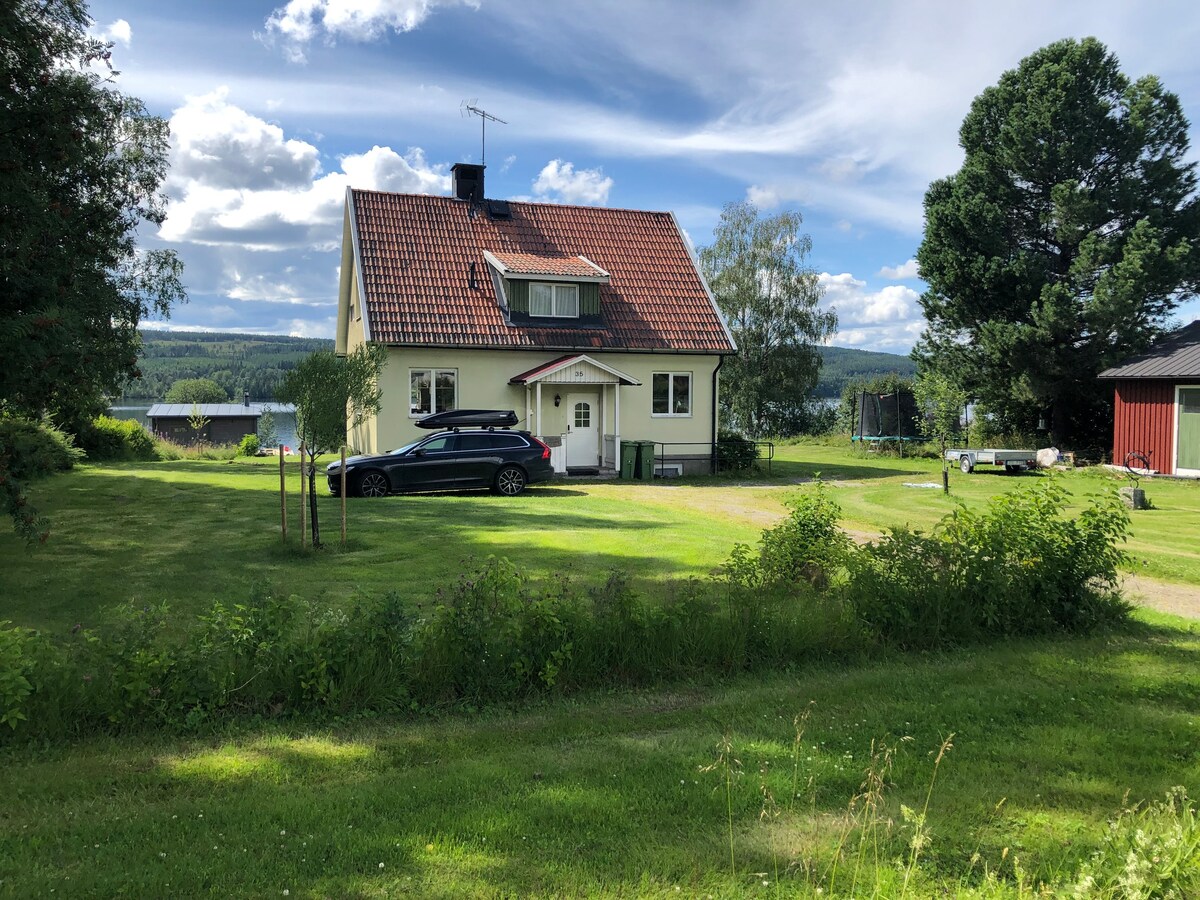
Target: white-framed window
x: 583, y: 415
x: 558, y: 300
x: 672, y: 394
x: 432, y: 390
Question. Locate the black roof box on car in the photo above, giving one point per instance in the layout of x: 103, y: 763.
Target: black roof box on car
x: 470, y: 418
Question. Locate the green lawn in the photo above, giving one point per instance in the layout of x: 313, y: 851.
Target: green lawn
x: 598, y: 796
x: 193, y: 531
x: 605, y: 797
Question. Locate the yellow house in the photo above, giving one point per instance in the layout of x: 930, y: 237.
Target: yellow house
x: 593, y: 324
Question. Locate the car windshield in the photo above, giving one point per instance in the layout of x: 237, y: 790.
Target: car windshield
x: 400, y: 451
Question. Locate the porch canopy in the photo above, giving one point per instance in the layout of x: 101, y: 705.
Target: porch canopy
x: 576, y: 369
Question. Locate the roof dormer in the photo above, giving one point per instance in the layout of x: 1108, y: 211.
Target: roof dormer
x: 546, y: 290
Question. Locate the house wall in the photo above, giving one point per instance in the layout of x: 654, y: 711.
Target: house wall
x: 219, y: 430
x: 1144, y: 420
x: 483, y: 377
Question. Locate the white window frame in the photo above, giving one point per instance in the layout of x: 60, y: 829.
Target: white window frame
x: 671, y: 376
x: 433, y: 373
x: 555, y: 288
x: 1175, y: 469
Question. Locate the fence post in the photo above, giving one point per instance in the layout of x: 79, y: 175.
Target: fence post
x: 343, y: 493
x: 303, y: 531
x: 282, y: 495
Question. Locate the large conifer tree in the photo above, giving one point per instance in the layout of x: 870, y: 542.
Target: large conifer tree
x: 1064, y: 242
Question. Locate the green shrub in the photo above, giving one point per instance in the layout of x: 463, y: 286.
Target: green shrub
x: 735, y: 453
x: 106, y: 438
x: 35, y: 449
x: 1021, y: 566
x: 248, y: 446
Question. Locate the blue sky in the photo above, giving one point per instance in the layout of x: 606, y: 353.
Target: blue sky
x: 844, y: 112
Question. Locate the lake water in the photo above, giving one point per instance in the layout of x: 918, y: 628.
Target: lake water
x: 285, y: 422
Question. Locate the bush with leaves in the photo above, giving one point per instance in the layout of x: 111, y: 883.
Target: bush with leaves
x: 1020, y: 566
x: 735, y: 453
x: 117, y: 440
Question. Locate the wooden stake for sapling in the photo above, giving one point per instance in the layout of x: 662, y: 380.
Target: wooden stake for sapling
x: 282, y: 494
x: 303, y: 532
x: 343, y: 493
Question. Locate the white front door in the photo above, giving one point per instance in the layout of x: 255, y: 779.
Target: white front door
x: 583, y: 429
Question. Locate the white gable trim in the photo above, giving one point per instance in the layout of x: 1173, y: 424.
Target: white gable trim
x: 358, y: 272
x: 599, y: 374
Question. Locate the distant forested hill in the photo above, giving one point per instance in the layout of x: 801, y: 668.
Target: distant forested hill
x: 256, y: 362
x: 842, y: 366
x: 237, y: 362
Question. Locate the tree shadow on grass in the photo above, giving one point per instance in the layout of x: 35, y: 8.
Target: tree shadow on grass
x: 121, y: 536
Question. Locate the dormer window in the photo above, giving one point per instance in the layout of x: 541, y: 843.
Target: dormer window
x: 557, y: 300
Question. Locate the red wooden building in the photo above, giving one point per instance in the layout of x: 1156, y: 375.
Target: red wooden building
x: 1157, y: 404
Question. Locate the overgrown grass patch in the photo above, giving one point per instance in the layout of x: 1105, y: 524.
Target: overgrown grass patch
x: 605, y: 797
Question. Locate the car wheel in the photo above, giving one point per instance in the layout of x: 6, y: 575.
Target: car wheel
x: 510, y: 481
x: 373, y: 484
x: 965, y: 465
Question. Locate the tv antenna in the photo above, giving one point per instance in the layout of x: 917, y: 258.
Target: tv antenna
x: 470, y: 108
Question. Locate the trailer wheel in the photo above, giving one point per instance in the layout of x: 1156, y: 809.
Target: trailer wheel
x: 965, y: 465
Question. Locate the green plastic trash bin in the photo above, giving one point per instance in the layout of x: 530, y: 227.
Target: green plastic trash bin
x: 645, y: 463
x: 629, y: 452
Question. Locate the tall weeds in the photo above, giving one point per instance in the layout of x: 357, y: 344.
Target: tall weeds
x: 1021, y: 566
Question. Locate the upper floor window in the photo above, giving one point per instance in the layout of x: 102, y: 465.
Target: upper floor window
x: 432, y: 390
x: 672, y: 394
x: 561, y: 300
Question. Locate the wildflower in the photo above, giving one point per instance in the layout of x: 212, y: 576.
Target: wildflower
x: 282, y: 832
x: 381, y: 865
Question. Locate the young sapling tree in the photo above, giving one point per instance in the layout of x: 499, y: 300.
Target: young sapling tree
x: 332, y: 394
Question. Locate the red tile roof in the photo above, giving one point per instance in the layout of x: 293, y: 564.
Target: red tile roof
x: 532, y: 264
x: 416, y: 253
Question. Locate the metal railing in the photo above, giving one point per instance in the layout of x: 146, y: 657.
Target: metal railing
x: 735, y: 453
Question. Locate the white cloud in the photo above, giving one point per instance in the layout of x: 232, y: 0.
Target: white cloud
x: 888, y: 320
x: 558, y: 182
x: 300, y: 21
x: 219, y: 145
x: 118, y: 32
x: 237, y: 180
x: 902, y: 272
x: 762, y: 197
x: 858, y: 306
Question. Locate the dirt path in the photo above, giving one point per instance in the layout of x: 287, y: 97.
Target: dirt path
x: 1165, y: 596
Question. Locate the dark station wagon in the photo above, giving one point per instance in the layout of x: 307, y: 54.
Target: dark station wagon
x: 491, y: 456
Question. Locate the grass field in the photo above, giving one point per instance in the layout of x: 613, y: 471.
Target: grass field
x: 603, y: 795
x: 192, y: 531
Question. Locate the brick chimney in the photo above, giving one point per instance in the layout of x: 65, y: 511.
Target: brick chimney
x: 467, y: 179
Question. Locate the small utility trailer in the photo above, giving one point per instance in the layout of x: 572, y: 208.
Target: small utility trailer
x: 1012, y: 460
